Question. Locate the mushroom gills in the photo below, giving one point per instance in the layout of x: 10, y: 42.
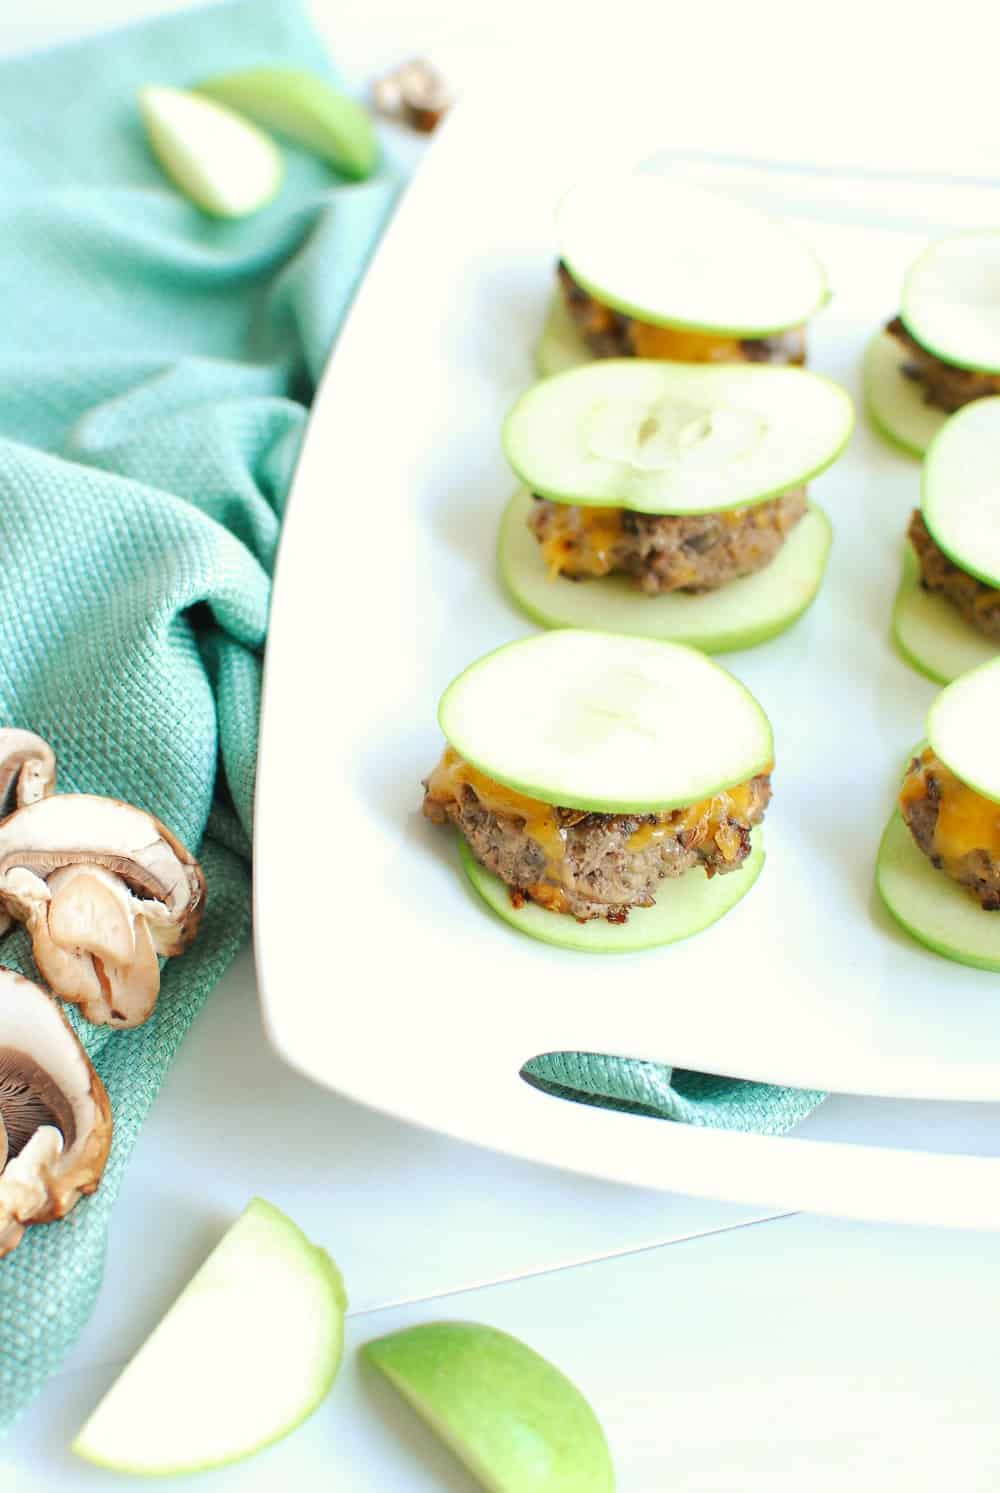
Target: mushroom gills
x: 30, y: 1098
x: 55, y: 1117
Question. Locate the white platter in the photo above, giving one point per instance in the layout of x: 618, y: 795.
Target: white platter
x: 381, y: 974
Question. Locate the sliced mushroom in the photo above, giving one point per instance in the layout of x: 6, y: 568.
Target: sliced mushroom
x: 27, y: 769
x: 104, y: 889
x: 27, y: 773
x: 54, y: 1112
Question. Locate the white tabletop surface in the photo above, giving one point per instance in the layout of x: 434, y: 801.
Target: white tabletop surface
x: 754, y: 1353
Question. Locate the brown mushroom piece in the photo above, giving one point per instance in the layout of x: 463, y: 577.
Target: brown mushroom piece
x: 27, y: 773
x: 104, y: 890
x: 55, y: 1117
x: 27, y: 769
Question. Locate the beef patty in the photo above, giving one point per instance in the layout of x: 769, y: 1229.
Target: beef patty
x: 611, y: 334
x: 584, y: 864
x: 945, y: 385
x: 693, y: 552
x: 955, y: 827
x: 977, y: 602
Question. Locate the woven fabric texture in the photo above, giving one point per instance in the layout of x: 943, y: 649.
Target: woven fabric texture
x: 154, y: 374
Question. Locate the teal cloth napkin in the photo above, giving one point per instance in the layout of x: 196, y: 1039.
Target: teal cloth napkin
x: 155, y: 366
x: 154, y: 370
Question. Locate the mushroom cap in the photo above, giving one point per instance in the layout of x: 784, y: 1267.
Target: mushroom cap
x: 27, y: 769
x: 73, y: 829
x: 53, y: 1107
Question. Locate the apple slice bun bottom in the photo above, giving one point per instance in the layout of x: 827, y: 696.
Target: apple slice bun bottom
x: 514, y: 1419
x: 738, y: 615
x: 931, y: 634
x: 963, y: 728
x: 935, y: 910
x: 597, y: 721
x: 961, y: 489
x: 684, y: 906
x: 671, y: 253
x: 560, y: 346
x: 949, y: 300
x: 247, y: 1351
x: 662, y: 437
x: 896, y: 403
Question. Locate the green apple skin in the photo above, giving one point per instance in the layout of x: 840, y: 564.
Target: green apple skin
x: 305, y: 108
x: 513, y: 1419
x: 262, y: 1248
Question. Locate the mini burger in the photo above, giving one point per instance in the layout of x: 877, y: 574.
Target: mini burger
x: 939, y: 862
x: 947, y: 613
x: 607, y: 791
x: 942, y: 351
x: 652, y: 267
x: 669, y: 500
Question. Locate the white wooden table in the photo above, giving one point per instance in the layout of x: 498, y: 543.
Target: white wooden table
x: 751, y: 1352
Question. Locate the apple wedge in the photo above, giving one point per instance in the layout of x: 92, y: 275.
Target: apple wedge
x: 221, y: 162
x: 513, y: 1419
x: 247, y: 1351
x: 305, y: 108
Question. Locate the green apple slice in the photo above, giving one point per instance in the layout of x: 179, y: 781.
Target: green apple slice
x: 676, y: 255
x: 594, y: 720
x: 933, y: 909
x: 896, y: 403
x: 740, y: 615
x: 931, y: 634
x: 663, y: 437
x: 963, y: 727
x: 961, y: 489
x: 224, y: 165
x: 950, y: 303
x: 685, y: 905
x: 247, y: 1351
x: 561, y: 346
x: 515, y: 1421
x: 306, y: 108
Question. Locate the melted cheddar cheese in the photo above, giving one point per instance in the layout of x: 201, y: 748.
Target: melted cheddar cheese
x: 700, y: 823
x: 541, y: 822
x: 708, y: 820
x: 581, y: 541
x: 683, y: 346
x: 966, y: 821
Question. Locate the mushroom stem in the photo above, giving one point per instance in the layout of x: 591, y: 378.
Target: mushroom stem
x: 103, y: 889
x: 27, y: 769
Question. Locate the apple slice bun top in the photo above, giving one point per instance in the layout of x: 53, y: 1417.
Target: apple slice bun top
x: 606, y: 723
x: 963, y: 728
x: 950, y: 302
x: 659, y: 437
x: 961, y: 489
x: 672, y: 254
